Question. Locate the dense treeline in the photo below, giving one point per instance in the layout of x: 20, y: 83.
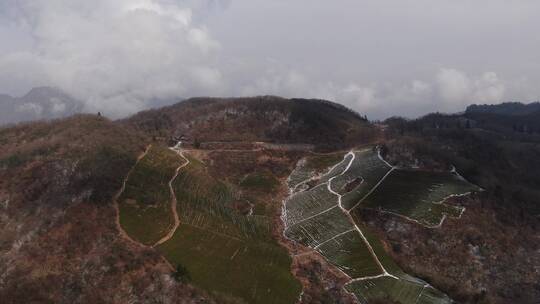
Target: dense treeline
x: 484, y: 147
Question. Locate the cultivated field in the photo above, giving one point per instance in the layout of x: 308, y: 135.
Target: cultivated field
x: 419, y: 195
x: 320, y: 214
x: 226, y: 252
x: 310, y: 167
x: 145, y: 204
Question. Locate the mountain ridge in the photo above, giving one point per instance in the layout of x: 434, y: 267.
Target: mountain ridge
x: 508, y: 108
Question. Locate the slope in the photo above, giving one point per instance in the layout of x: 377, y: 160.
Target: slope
x: 264, y: 119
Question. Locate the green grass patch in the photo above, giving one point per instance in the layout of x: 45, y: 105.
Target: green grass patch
x: 258, y: 181
x: 145, y: 212
x: 258, y: 272
x: 419, y: 195
x: 384, y: 258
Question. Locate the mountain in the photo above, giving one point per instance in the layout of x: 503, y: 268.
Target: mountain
x: 507, y: 108
x: 268, y: 200
x: 38, y: 104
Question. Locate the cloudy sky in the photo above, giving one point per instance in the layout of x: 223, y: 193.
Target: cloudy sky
x: 379, y: 57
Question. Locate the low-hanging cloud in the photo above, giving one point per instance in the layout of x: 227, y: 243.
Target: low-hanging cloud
x: 116, y: 55
x: 120, y: 56
x: 447, y: 90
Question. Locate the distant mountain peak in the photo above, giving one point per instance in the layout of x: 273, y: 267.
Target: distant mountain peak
x: 39, y: 103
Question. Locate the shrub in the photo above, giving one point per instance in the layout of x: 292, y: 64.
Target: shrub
x: 182, y: 274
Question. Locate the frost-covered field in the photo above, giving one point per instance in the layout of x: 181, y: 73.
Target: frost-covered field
x: 322, y: 218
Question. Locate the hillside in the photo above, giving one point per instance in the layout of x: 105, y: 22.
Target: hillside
x: 503, y: 160
x: 58, y: 231
x: 492, y: 150
x: 269, y: 119
x: 267, y: 200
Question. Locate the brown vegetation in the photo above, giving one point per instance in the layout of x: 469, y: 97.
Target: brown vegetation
x: 59, y: 242
x: 479, y: 258
x: 271, y: 119
x: 58, y: 238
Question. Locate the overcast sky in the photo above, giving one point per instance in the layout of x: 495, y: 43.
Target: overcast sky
x: 379, y: 57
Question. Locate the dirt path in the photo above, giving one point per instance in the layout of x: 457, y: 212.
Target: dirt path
x: 174, y: 201
x: 350, y: 218
x: 372, y: 252
x: 121, y: 230
x: 328, y: 184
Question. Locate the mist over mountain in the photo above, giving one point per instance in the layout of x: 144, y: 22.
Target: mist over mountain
x: 38, y: 104
x: 46, y: 103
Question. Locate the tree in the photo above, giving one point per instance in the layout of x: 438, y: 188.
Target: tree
x: 181, y: 274
x: 196, y: 143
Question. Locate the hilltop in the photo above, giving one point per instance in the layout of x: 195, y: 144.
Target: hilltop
x: 324, y: 124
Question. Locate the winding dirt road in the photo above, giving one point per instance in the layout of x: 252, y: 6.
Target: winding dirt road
x: 121, y: 230
x: 174, y: 201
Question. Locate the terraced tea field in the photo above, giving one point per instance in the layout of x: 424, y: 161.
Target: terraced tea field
x: 235, y: 256
x: 310, y: 167
x: 323, y: 218
x: 224, y: 251
x: 145, y: 203
x: 419, y: 195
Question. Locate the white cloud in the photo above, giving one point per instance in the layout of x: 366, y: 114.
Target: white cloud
x: 454, y: 85
x: 116, y: 55
x: 489, y: 89
x: 458, y: 89
x: 58, y: 106
x: 420, y: 87
x: 359, y: 97
x: 448, y: 90
x: 379, y: 57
